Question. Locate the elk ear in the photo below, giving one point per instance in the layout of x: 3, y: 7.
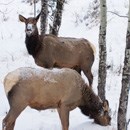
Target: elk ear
x: 105, y: 105
x: 37, y: 17
x: 22, y: 19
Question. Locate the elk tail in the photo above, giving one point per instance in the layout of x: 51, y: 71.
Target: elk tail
x: 93, y: 48
x: 9, y: 81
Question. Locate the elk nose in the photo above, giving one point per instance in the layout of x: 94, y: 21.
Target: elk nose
x: 29, y: 27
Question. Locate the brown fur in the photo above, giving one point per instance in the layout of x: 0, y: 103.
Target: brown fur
x: 41, y: 89
x: 51, y: 51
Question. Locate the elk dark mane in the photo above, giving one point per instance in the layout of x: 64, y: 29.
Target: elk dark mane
x: 33, y: 44
x: 93, y: 104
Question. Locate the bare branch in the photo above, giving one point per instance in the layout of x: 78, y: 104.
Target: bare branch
x: 4, y: 12
x: 117, y: 14
x: 6, y: 3
x: 1, y: 12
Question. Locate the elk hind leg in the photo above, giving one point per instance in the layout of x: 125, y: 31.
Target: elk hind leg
x: 89, y: 75
x: 9, y: 121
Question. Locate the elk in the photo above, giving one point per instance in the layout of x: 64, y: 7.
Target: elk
x: 63, y: 89
x: 51, y: 51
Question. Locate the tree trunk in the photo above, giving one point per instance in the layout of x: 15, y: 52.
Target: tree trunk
x: 123, y: 103
x: 57, y: 17
x: 44, y: 14
x: 102, y: 51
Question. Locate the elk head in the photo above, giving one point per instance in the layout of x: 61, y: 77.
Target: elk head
x: 30, y: 24
x: 103, y: 116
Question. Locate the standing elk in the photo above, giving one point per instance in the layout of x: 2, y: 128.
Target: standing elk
x: 51, y: 51
x: 41, y: 89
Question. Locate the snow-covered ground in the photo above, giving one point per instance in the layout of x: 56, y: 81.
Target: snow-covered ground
x: 13, y: 54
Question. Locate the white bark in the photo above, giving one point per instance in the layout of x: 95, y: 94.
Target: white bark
x: 123, y: 104
x: 102, y: 50
x: 57, y: 17
x: 44, y: 15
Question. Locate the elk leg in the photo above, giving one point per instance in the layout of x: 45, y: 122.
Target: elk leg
x: 64, y: 116
x: 89, y: 75
x: 9, y: 121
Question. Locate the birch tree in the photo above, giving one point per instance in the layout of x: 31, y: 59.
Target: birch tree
x: 123, y: 103
x: 102, y: 50
x: 44, y: 14
x: 57, y: 17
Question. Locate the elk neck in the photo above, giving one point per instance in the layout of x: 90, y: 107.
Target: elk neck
x: 33, y: 44
x: 92, y: 103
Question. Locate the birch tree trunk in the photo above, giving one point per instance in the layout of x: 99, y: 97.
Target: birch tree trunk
x: 102, y: 50
x: 57, y: 17
x: 44, y: 14
x: 123, y: 103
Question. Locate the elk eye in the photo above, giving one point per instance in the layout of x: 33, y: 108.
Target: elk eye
x: 34, y: 22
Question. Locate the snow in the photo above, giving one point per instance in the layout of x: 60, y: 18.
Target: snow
x: 14, y: 55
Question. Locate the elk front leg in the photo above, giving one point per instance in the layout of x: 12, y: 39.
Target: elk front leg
x: 64, y: 116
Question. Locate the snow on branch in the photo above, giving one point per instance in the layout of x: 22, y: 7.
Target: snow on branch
x: 5, y: 18
x: 2, y: 12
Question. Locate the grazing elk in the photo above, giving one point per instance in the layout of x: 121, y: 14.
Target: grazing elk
x: 51, y: 51
x: 41, y: 89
